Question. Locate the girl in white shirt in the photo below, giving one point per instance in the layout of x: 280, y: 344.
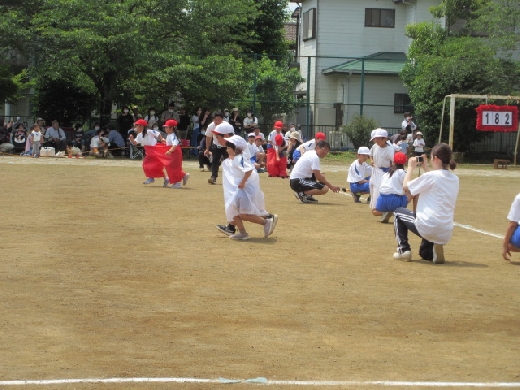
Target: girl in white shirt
x: 174, y: 168
x: 382, y: 155
x: 433, y: 218
x: 391, y: 191
x: 244, y: 200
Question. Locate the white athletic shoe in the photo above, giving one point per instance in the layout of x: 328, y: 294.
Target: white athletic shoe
x: 438, y: 254
x: 177, y: 185
x: 150, y: 180
x: 275, y: 221
x: 166, y: 182
x: 239, y: 236
x: 405, y: 256
x: 185, y: 178
x: 385, y: 218
x: 268, y: 226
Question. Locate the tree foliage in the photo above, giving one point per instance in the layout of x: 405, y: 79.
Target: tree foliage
x: 359, y: 130
x: 148, y: 52
x: 441, y: 63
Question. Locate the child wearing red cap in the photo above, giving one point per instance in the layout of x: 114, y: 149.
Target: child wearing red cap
x: 391, y: 192
x: 175, y: 168
x: 277, y: 152
x: 311, y: 145
x: 147, y: 138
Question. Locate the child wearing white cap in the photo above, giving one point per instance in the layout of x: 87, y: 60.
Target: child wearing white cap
x: 382, y: 158
x: 418, y: 144
x: 244, y: 200
x: 359, y: 174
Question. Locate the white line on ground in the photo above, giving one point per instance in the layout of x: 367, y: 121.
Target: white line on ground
x: 264, y: 381
x: 467, y: 227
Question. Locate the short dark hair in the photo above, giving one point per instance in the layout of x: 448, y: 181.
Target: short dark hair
x: 219, y: 114
x: 323, y: 145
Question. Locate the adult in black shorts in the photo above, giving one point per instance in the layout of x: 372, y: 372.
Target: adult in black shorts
x: 306, y: 178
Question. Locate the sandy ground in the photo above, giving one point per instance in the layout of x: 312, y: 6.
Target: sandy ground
x: 103, y: 277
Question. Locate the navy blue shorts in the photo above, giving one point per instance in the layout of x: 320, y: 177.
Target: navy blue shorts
x: 391, y: 202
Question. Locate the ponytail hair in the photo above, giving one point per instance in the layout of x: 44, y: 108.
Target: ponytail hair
x: 394, y: 168
x: 443, y: 152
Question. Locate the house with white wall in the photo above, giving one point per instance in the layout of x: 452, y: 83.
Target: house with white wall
x: 350, y: 53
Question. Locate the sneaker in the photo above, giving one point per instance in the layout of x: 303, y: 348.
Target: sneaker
x: 212, y: 180
x: 185, y: 178
x: 225, y: 229
x: 301, y: 197
x: 368, y: 199
x: 166, y: 182
x: 260, y: 170
x: 311, y: 199
x: 150, y: 180
x: 268, y: 226
x: 356, y: 198
x: 385, y: 217
x: 275, y: 221
x: 177, y: 185
x: 239, y: 236
x: 344, y: 189
x: 405, y: 256
x: 438, y: 254
x: 201, y: 169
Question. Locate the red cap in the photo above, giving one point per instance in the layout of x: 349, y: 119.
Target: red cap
x: 170, y: 123
x: 320, y: 135
x: 400, y: 158
x: 278, y: 124
x: 141, y: 122
x: 278, y: 139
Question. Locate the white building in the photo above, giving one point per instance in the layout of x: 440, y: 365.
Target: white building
x: 351, y: 53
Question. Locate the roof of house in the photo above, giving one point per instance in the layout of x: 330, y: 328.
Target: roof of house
x: 377, y: 63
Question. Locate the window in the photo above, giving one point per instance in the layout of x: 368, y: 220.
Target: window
x: 402, y: 103
x: 379, y: 17
x: 309, y: 24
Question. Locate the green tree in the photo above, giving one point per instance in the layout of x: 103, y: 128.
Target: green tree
x: 8, y: 87
x: 359, y: 129
x: 440, y: 65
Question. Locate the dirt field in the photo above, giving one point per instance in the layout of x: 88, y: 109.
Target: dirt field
x: 103, y: 277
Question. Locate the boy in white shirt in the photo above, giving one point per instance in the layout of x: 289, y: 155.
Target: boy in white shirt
x: 359, y: 174
x: 311, y: 145
x: 382, y: 158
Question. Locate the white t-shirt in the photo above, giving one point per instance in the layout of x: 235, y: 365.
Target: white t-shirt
x: 382, y: 157
x: 250, y: 121
x: 514, y: 212
x: 150, y: 139
x: 394, y: 184
x: 261, y: 135
x: 36, y: 136
x: 405, y: 123
x: 358, y: 172
x: 305, y: 165
x: 418, y: 144
x: 252, y: 149
x: 270, y: 137
x: 172, y: 140
x: 438, y: 192
x: 309, y: 145
x: 94, y: 143
x: 209, y: 133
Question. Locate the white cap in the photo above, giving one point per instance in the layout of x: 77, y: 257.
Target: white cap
x: 224, y: 128
x: 363, y: 150
x: 378, y: 133
x: 238, y: 141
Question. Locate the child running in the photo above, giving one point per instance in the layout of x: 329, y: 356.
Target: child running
x: 359, y: 175
x: 176, y: 174
x: 244, y: 200
x: 391, y: 192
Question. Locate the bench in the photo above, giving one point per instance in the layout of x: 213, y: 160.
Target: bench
x: 502, y: 163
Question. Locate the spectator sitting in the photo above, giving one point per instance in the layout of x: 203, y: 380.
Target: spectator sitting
x: 117, y: 142
x: 73, y: 150
x: 99, y: 145
x: 55, y: 136
x: 78, y: 136
x: 5, y: 145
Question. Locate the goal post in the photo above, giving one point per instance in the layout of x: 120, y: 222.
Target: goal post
x: 453, y: 98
